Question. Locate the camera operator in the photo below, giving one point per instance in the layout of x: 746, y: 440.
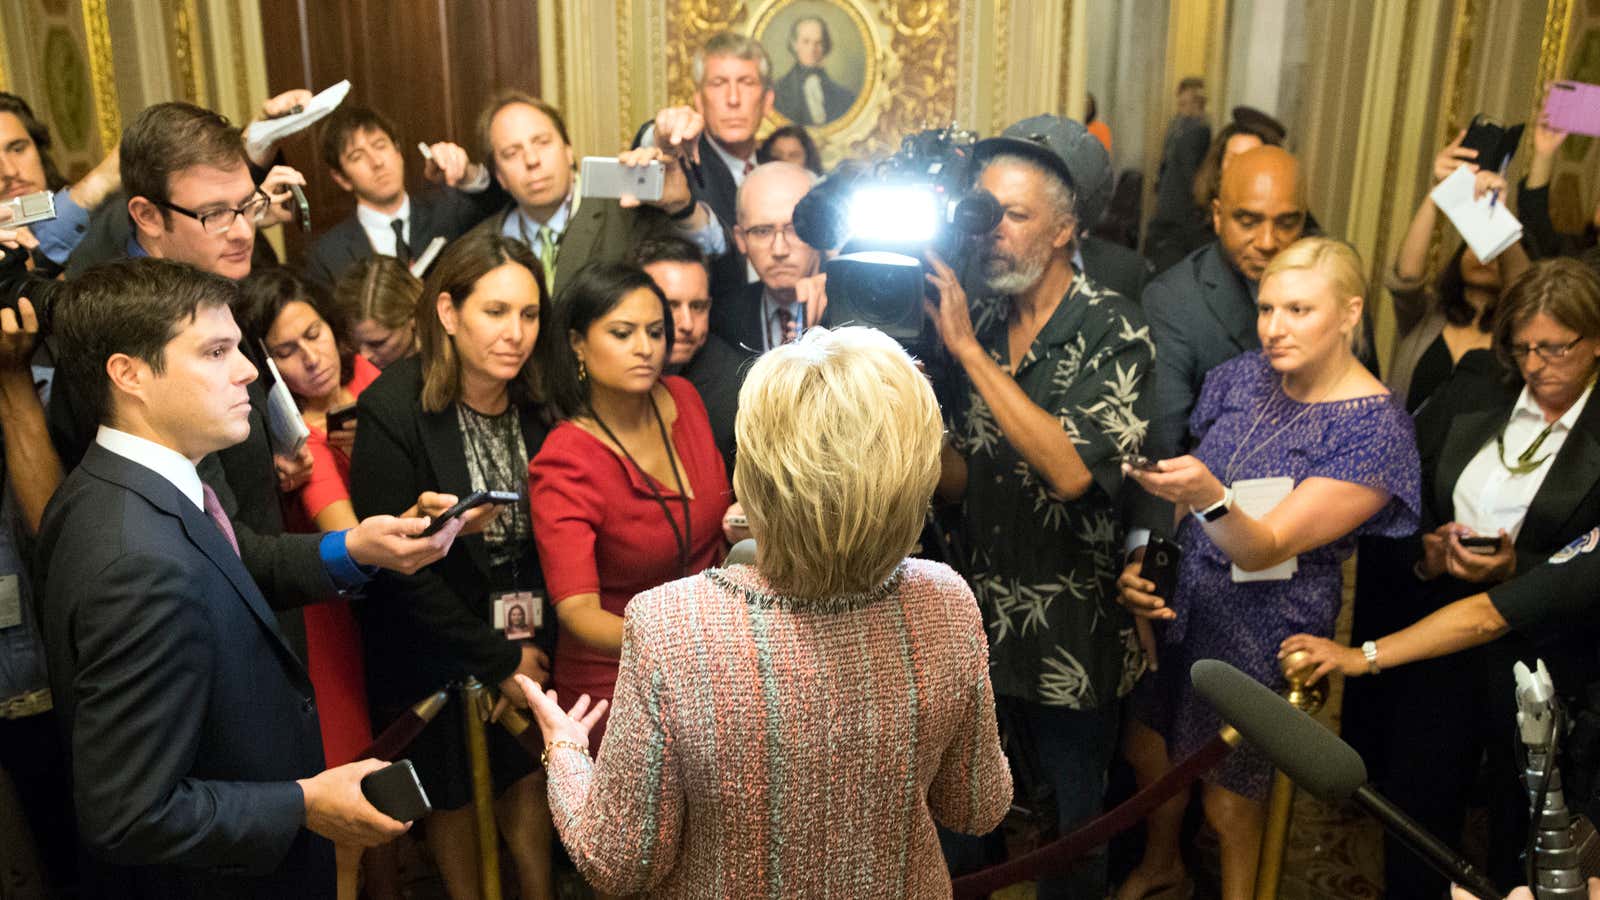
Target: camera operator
x: 1056, y: 368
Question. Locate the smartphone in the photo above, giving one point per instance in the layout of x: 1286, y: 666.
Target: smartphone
x: 1483, y: 544
x: 340, y: 416
x: 1494, y: 142
x: 470, y: 502
x: 302, y: 206
x: 1160, y: 566
x: 603, y: 176
x: 739, y: 521
x: 1143, y: 463
x: 29, y: 208
x: 396, y: 792
x: 1573, y: 107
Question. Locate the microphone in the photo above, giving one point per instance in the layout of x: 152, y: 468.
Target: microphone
x: 1316, y: 759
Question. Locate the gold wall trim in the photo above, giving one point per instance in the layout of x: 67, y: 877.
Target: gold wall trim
x: 186, y: 38
x: 1002, y: 61
x: 241, y: 72
x: 625, y: 72
x: 1552, y: 47
x: 102, y: 72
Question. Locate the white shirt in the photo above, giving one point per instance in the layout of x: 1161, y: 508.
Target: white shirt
x: 1487, y: 496
x: 380, y: 234
x: 811, y: 88
x: 518, y: 225
x: 164, y: 461
x: 735, y: 164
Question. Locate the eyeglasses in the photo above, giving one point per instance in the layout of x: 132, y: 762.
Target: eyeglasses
x: 766, y: 234
x: 1547, y: 352
x: 220, y: 220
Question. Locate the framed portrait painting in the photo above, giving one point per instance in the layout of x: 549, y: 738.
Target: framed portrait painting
x: 825, y: 62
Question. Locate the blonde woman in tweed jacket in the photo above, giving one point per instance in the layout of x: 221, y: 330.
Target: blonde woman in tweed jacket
x: 794, y: 728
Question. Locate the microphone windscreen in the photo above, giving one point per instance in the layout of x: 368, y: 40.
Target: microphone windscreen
x: 1311, y: 755
x: 742, y: 553
x: 819, y: 217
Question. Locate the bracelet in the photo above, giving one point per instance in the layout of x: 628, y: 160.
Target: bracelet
x: 544, y: 758
x: 1369, y: 649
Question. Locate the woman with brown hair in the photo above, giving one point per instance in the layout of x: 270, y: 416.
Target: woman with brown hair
x: 465, y: 414
x: 376, y: 299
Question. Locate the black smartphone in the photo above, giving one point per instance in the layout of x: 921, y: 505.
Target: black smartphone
x: 1494, y: 142
x: 1143, y: 463
x: 470, y: 502
x: 302, y: 206
x: 1160, y: 566
x: 396, y: 792
x: 340, y: 416
x: 1486, y: 544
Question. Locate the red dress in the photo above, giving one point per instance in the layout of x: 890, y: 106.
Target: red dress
x: 333, y: 639
x: 600, y: 530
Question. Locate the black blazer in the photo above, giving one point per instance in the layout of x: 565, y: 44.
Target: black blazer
x: 426, y: 629
x: 187, y: 715
x: 717, y: 373
x: 1113, y: 266
x: 737, y: 319
x: 445, y: 213
x: 600, y: 230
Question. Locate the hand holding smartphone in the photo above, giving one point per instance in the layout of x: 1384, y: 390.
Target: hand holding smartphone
x: 466, y: 504
x: 1160, y: 566
x: 1481, y: 544
x: 397, y: 792
x: 340, y: 416
x: 1142, y: 463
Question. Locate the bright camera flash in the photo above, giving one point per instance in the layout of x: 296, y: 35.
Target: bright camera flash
x: 898, y: 214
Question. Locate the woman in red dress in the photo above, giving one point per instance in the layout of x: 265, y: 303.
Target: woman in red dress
x: 628, y: 493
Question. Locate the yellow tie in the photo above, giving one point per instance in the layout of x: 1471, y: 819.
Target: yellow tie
x: 547, y: 255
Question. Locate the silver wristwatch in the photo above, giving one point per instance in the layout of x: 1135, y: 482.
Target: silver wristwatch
x: 1369, y: 649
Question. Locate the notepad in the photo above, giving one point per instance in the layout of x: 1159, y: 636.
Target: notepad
x: 1256, y: 497
x: 263, y: 134
x: 286, y: 431
x: 1485, y: 223
x: 419, y: 266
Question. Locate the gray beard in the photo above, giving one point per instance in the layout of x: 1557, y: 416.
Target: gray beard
x: 1015, y: 277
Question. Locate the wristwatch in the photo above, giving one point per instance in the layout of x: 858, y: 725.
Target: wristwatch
x: 1369, y: 649
x: 1218, y: 509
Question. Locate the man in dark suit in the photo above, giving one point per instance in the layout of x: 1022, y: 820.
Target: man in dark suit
x: 710, y: 363
x: 1188, y: 138
x: 192, y: 727
x: 775, y: 308
x: 806, y: 95
x: 362, y: 153
x: 526, y: 143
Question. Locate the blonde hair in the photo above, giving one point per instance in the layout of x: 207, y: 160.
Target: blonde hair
x: 1334, y: 260
x: 839, y: 438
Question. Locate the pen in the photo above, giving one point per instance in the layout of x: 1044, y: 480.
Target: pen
x: 1494, y: 197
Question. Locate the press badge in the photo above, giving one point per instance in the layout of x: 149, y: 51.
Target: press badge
x: 10, y: 601
x: 1257, y: 497
x: 518, y: 613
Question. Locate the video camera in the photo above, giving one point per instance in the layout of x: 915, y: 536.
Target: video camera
x: 885, y: 216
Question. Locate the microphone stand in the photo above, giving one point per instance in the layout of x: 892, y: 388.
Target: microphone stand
x: 1553, y: 866
x: 1435, y: 852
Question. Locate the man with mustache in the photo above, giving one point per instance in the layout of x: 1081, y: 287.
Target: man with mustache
x: 1055, y: 373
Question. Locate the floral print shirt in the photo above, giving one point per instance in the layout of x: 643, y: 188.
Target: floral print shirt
x: 1043, y: 567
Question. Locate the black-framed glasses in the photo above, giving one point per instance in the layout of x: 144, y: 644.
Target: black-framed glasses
x: 1546, y: 352
x: 219, y: 220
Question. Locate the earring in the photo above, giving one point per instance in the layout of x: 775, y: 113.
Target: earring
x: 583, y: 372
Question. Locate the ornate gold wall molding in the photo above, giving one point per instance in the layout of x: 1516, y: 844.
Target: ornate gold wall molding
x: 102, y: 72
x: 185, y: 50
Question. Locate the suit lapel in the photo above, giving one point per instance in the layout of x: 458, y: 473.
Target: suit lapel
x: 445, y: 445
x: 578, y: 242
x: 423, y: 224
x: 1571, y: 480
x: 720, y: 190
x: 1228, y: 299
x: 202, y: 532
x: 1467, y: 435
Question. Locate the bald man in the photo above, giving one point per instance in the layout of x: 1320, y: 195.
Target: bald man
x: 769, y: 311
x: 1202, y: 311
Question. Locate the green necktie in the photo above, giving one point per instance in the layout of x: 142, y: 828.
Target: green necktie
x: 546, y: 249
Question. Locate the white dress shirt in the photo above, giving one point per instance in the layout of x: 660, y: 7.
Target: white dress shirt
x: 735, y: 164
x: 1487, y: 496
x: 164, y: 461
x: 380, y: 233
x: 811, y: 88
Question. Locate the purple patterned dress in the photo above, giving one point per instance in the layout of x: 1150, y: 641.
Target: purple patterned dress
x: 1367, y: 441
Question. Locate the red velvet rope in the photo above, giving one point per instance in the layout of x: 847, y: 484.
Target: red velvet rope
x: 1053, y: 857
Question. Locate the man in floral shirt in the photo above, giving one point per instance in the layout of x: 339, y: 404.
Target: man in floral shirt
x: 1055, y: 368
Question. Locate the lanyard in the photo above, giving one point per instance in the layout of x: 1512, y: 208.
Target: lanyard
x: 682, y: 538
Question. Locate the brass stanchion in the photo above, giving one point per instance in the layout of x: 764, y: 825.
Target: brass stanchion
x: 475, y: 709
x: 1280, y: 803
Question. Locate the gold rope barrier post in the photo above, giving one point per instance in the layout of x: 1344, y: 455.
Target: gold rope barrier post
x: 474, y: 710
x: 1280, y: 803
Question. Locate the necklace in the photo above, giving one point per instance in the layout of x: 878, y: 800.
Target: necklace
x: 1234, y: 461
x: 1525, y: 462
x: 684, y: 538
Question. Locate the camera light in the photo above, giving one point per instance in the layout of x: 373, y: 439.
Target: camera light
x: 894, y: 214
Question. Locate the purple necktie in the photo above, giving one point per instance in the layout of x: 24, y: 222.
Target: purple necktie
x: 214, y: 510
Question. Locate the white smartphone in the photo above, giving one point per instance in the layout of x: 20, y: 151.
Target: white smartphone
x: 603, y: 176
x: 29, y: 208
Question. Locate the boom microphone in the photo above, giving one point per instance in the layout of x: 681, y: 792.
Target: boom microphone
x: 1314, y: 758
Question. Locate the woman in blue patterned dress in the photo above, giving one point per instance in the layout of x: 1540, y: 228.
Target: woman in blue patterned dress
x: 1303, y: 425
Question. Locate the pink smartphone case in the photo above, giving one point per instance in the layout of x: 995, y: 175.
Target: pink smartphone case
x: 1573, y: 107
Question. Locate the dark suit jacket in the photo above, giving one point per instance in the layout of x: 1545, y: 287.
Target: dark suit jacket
x: 187, y: 715
x: 442, y: 213
x: 426, y: 629
x: 789, y: 97
x: 1113, y: 266
x: 600, y: 230
x: 717, y: 372
x: 736, y: 318
x: 717, y: 190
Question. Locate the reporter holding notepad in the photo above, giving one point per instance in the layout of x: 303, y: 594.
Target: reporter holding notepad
x: 1301, y: 425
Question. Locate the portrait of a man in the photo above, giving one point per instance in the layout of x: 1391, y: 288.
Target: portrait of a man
x: 807, y: 94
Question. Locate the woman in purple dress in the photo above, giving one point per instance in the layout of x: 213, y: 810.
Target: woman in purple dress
x: 1300, y: 451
